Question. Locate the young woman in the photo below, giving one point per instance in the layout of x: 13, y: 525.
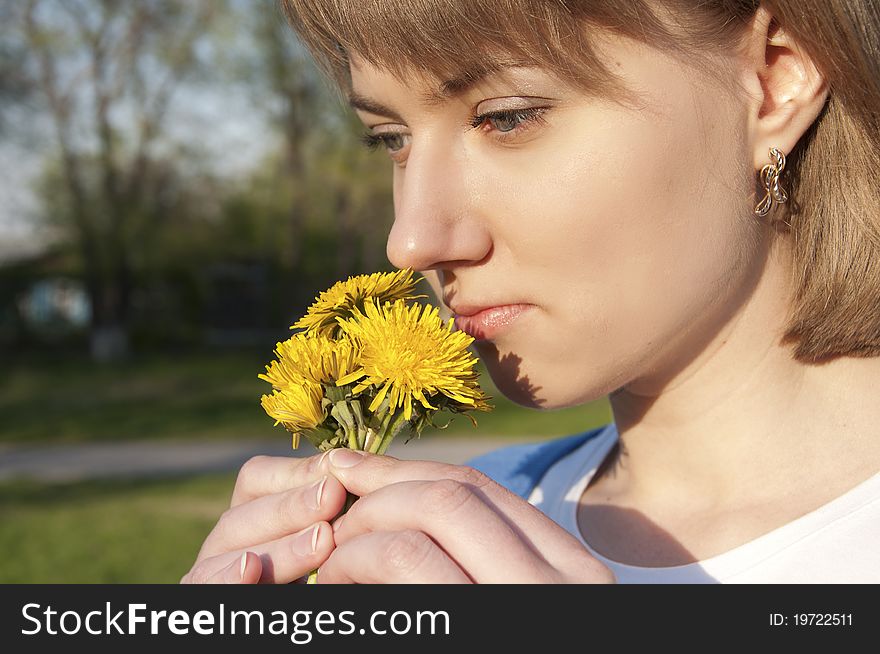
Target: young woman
x: 670, y: 202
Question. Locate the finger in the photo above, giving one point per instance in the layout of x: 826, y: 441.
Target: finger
x: 266, y: 475
x: 401, y: 557
x: 250, y: 568
x: 234, y: 573
x: 279, y: 561
x: 363, y: 473
x: 272, y: 516
x: 468, y: 529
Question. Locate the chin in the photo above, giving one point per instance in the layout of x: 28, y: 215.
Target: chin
x: 507, y: 372
x: 510, y: 374
x: 520, y: 393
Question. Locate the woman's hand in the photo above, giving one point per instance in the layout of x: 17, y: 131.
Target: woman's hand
x: 276, y: 529
x: 425, y: 522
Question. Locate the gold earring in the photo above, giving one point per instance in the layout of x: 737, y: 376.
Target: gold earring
x: 770, y: 181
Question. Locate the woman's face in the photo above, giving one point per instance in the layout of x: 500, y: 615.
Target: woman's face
x: 627, y: 231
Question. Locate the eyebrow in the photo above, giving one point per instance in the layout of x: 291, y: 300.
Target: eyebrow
x: 448, y: 89
x: 371, y: 106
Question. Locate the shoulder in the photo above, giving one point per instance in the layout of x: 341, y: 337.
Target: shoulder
x: 520, y: 467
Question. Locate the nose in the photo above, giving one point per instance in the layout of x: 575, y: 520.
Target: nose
x: 438, y: 219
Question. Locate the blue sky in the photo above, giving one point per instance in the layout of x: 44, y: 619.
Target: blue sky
x: 226, y: 125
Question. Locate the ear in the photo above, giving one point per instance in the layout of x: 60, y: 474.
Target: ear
x: 790, y: 91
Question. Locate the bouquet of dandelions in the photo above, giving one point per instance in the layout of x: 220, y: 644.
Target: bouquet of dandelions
x: 369, y: 365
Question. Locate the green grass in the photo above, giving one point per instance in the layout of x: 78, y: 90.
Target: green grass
x: 66, y: 401
x: 107, y: 531
x: 45, y: 400
x: 150, y: 530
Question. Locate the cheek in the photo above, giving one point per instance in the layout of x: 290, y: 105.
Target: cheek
x: 625, y: 235
x: 618, y: 212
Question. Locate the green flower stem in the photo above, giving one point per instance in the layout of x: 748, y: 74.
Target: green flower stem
x: 350, y: 499
x: 376, y: 441
x: 390, y: 426
x: 352, y: 436
x: 343, y: 415
x: 391, y: 432
x: 361, y: 426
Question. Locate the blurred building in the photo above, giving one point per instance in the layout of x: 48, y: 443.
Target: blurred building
x: 55, y: 304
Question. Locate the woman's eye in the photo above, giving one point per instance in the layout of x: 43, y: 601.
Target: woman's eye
x: 505, y: 123
x: 391, y: 142
x: 509, y: 120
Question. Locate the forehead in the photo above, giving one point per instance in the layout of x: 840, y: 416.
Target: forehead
x: 444, y: 68
x: 432, y: 91
x: 659, y: 89
x: 635, y: 66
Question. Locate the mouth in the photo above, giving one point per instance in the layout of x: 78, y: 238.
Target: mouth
x: 486, y: 323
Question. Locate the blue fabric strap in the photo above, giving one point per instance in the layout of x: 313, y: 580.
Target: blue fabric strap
x: 520, y: 467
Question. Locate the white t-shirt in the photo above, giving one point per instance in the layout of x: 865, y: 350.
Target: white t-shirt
x: 837, y: 543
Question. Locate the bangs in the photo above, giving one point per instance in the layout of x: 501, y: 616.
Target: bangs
x: 461, y: 40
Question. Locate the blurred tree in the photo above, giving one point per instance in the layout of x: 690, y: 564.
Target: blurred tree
x: 331, y: 184
x: 15, y: 86
x: 150, y: 208
x: 298, y: 100
x: 107, y: 71
x: 354, y: 187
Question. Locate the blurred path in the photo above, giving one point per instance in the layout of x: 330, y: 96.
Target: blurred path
x: 164, y: 458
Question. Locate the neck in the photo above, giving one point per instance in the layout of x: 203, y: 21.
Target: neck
x: 744, y: 420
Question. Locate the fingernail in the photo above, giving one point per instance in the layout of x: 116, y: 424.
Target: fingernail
x: 234, y: 572
x: 338, y: 523
x: 243, y: 566
x: 306, y: 542
x: 344, y: 458
x: 318, y: 488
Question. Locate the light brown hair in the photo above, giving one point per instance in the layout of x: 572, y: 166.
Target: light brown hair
x: 831, y: 175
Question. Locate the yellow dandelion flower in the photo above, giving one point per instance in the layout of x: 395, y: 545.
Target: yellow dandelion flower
x: 304, y: 363
x: 409, y: 354
x: 297, y: 407
x: 341, y: 299
x: 310, y: 357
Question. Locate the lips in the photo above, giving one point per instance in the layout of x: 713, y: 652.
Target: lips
x: 485, y: 323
